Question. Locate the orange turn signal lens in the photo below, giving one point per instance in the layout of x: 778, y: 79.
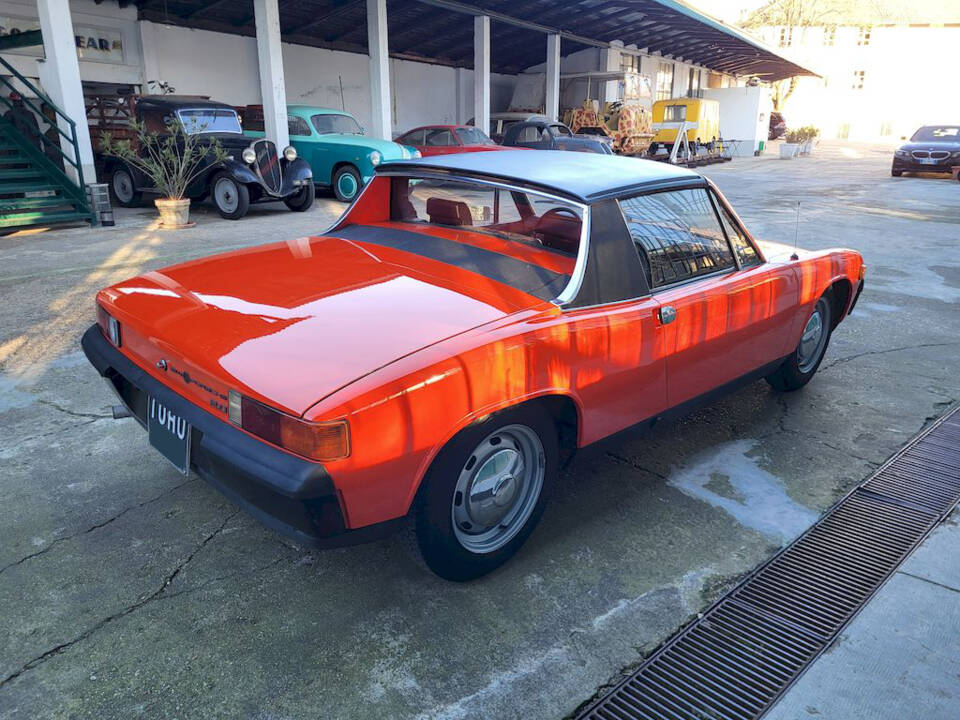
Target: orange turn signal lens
x: 317, y: 441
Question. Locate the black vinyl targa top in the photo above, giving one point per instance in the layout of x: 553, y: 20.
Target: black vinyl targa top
x: 527, y: 277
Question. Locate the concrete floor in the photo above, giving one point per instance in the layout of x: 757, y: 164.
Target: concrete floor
x: 129, y: 590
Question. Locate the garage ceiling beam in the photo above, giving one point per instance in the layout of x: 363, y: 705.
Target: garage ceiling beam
x: 338, y: 8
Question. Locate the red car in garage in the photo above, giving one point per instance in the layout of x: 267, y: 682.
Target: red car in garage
x: 469, y: 320
x: 448, y: 139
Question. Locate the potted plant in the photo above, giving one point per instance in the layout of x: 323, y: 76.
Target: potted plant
x: 791, y: 144
x: 810, y: 134
x: 172, y: 160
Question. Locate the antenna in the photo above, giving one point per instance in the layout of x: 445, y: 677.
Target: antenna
x: 796, y: 234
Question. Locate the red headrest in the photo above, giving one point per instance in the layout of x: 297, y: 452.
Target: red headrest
x: 448, y: 212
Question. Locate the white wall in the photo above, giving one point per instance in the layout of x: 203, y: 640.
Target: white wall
x: 744, y: 115
x: 227, y: 71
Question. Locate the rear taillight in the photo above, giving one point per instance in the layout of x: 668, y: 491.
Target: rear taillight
x: 317, y: 441
x: 109, y: 324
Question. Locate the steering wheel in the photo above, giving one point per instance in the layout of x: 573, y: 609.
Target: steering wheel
x: 558, y: 212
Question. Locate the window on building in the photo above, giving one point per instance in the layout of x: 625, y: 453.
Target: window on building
x: 886, y: 128
x: 693, y: 83
x: 864, y: 37
x: 829, y: 35
x: 665, y: 81
x: 786, y: 36
x: 858, y: 76
x: 677, y: 235
x: 629, y: 63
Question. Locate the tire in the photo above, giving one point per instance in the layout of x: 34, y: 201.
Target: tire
x: 230, y: 198
x: 803, y: 362
x: 302, y: 200
x: 346, y: 183
x: 896, y: 173
x: 123, y: 188
x: 460, y: 539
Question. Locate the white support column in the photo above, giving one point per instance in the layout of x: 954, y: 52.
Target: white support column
x: 273, y: 92
x: 151, y: 65
x: 379, y: 69
x: 552, y: 107
x: 611, y: 88
x: 62, y: 79
x: 481, y: 72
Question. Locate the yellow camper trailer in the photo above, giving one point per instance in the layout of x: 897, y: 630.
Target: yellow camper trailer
x: 701, y: 116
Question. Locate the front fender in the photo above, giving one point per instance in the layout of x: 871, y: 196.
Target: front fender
x: 241, y: 172
x: 294, y: 176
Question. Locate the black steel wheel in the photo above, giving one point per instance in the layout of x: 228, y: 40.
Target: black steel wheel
x: 123, y: 188
x: 485, y: 492
x: 301, y: 201
x: 231, y: 198
x: 803, y: 362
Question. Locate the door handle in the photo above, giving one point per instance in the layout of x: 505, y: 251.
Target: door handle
x: 667, y: 314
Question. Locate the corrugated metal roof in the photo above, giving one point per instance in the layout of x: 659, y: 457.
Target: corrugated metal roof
x: 422, y: 31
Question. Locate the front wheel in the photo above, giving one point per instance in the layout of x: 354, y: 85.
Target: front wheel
x: 347, y: 183
x: 232, y: 199
x: 123, y: 188
x: 301, y: 200
x: 804, y: 361
x: 485, y: 493
x: 896, y: 173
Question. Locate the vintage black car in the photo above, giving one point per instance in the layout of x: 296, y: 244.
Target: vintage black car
x: 544, y: 134
x: 254, y: 171
x: 932, y: 148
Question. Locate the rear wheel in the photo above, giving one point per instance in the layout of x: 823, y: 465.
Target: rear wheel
x: 123, y: 188
x: 302, y: 200
x: 485, y: 493
x: 802, y: 364
x: 346, y: 183
x: 232, y: 199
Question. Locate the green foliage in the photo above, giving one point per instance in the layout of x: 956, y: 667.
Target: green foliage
x: 172, y: 160
x: 807, y: 133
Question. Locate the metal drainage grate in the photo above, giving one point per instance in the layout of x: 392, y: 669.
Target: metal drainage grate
x: 753, y: 643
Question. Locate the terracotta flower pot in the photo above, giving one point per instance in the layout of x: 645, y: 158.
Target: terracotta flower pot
x: 173, y: 213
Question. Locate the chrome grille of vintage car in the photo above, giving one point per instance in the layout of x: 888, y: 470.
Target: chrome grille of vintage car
x: 268, y: 165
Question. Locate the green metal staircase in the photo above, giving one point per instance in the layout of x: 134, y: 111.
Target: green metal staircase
x: 34, y: 189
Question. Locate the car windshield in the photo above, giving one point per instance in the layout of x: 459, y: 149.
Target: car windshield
x: 335, y: 123
x: 207, y: 120
x: 503, y: 225
x: 473, y: 136
x: 937, y: 133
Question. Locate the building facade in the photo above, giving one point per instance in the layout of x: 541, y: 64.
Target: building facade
x: 877, y: 82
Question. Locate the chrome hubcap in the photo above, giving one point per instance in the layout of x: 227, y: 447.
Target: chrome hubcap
x: 226, y: 196
x: 497, y: 489
x: 812, y: 340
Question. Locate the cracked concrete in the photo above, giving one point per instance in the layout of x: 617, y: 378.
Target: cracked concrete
x: 130, y: 590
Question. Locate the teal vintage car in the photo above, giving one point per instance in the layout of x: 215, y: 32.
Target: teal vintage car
x: 332, y: 141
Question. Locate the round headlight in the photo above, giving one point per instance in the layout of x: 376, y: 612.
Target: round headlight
x: 289, y: 153
x: 417, y: 154
x: 248, y: 156
x: 375, y: 158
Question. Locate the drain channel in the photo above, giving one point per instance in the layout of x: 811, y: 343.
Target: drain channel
x: 752, y: 644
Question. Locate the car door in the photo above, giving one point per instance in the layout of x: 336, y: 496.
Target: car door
x: 299, y: 131
x: 720, y: 320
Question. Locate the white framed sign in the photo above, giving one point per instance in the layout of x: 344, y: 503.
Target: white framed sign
x: 93, y: 43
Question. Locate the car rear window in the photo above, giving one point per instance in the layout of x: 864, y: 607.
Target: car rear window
x: 677, y: 235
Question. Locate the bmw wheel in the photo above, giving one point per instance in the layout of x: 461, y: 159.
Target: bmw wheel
x: 347, y: 183
x: 123, y: 188
x: 485, y: 493
x: 232, y: 199
x: 804, y: 361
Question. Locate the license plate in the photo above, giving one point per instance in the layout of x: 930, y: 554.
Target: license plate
x: 39, y: 193
x: 170, y: 434
x: 928, y: 161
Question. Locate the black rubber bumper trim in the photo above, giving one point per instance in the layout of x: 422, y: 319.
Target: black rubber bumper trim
x: 293, y: 496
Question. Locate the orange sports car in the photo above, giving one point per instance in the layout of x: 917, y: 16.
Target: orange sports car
x: 468, y: 320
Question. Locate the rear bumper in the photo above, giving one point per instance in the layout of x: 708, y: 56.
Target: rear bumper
x: 293, y: 496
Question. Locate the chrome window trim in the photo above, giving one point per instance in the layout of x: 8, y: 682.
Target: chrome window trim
x: 572, y: 288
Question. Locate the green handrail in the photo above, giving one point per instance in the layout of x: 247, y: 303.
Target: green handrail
x: 60, y: 114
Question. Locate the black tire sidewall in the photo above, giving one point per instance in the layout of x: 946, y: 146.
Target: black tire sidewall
x: 789, y: 376
x: 302, y: 200
x: 243, y: 197
x: 439, y: 546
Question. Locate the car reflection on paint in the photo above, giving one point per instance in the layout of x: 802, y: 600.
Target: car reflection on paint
x: 470, y: 319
